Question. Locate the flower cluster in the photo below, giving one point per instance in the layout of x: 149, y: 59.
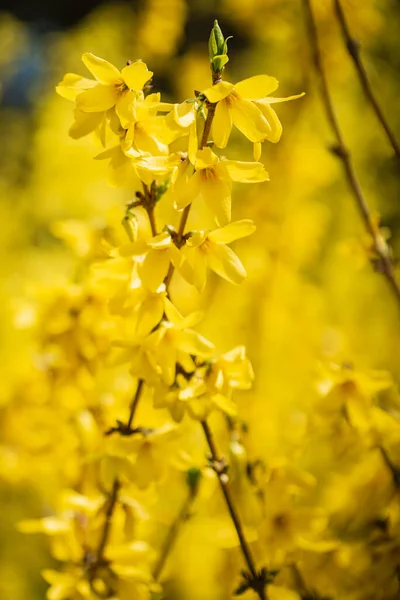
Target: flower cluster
x: 167, y: 156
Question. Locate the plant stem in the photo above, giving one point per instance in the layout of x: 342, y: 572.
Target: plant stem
x: 135, y: 402
x: 223, y: 481
x: 107, y: 523
x: 385, y: 262
x: 173, y: 534
x: 353, y: 48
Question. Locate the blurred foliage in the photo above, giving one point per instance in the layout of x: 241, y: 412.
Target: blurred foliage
x: 319, y: 434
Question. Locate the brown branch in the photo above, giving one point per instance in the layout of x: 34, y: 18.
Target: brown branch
x: 385, y: 264
x: 135, y: 403
x: 219, y: 467
x: 107, y: 523
x: 353, y: 48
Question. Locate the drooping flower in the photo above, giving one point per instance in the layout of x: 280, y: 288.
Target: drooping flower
x: 237, y: 104
x: 208, y: 250
x: 212, y: 180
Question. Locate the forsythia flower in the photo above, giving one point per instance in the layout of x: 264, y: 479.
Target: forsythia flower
x: 110, y: 88
x: 212, y: 181
x: 208, y: 250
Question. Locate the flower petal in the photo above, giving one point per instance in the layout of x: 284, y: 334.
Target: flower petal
x: 217, y: 196
x: 276, y: 126
x: 224, y: 262
x: 249, y: 120
x: 233, y: 231
x: 84, y: 123
x: 72, y: 85
x: 219, y: 91
x: 276, y: 100
x: 154, y: 269
x: 101, y: 69
x: 205, y: 158
x: 192, y: 342
x: 98, y: 98
x: 136, y: 74
x: 256, y: 87
x: 150, y: 314
x: 222, y: 125
x: 199, y: 269
x: 245, y: 172
x: 186, y: 190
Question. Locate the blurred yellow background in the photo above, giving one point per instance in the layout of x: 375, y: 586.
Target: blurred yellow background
x: 311, y: 299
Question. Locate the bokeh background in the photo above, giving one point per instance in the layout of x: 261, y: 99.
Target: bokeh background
x: 311, y: 297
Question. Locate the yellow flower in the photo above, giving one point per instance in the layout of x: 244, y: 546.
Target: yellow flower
x: 155, y: 255
x: 235, y: 107
x: 212, y: 181
x: 174, y: 341
x: 208, y: 250
x: 110, y: 87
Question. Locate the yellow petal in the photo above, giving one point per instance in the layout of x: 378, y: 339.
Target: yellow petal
x: 249, y: 120
x: 173, y: 314
x: 217, y: 196
x: 276, y: 127
x: 166, y: 358
x: 233, y: 231
x: 205, y: 158
x: 193, y: 143
x: 101, y: 69
x: 225, y: 404
x: 245, y: 172
x: 161, y: 241
x: 99, y: 98
x: 219, y: 91
x: 222, y: 125
x: 223, y: 261
x: 150, y: 314
x: 257, y: 148
x: 256, y: 87
x: 125, y: 108
x: 199, y: 270
x: 136, y: 75
x: 84, y: 123
x: 187, y: 190
x: 287, y: 99
x: 154, y: 269
x: 72, y: 85
x: 193, y: 343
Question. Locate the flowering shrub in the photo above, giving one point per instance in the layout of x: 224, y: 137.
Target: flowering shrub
x: 122, y: 416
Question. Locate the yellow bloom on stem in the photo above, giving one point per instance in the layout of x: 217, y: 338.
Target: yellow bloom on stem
x: 110, y: 87
x: 208, y: 250
x: 174, y: 341
x: 155, y: 255
x: 212, y: 181
x: 236, y: 107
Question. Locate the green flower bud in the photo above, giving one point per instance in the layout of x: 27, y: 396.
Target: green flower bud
x: 193, y: 476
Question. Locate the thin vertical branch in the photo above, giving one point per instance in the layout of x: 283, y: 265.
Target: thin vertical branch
x: 172, y: 534
x: 353, y: 48
x: 385, y: 265
x: 135, y: 402
x: 107, y: 523
x: 223, y: 481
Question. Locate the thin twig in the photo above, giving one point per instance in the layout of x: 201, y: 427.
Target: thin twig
x: 383, y: 252
x: 173, y: 534
x: 353, y: 48
x: 135, y: 402
x: 223, y: 481
x: 107, y: 523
